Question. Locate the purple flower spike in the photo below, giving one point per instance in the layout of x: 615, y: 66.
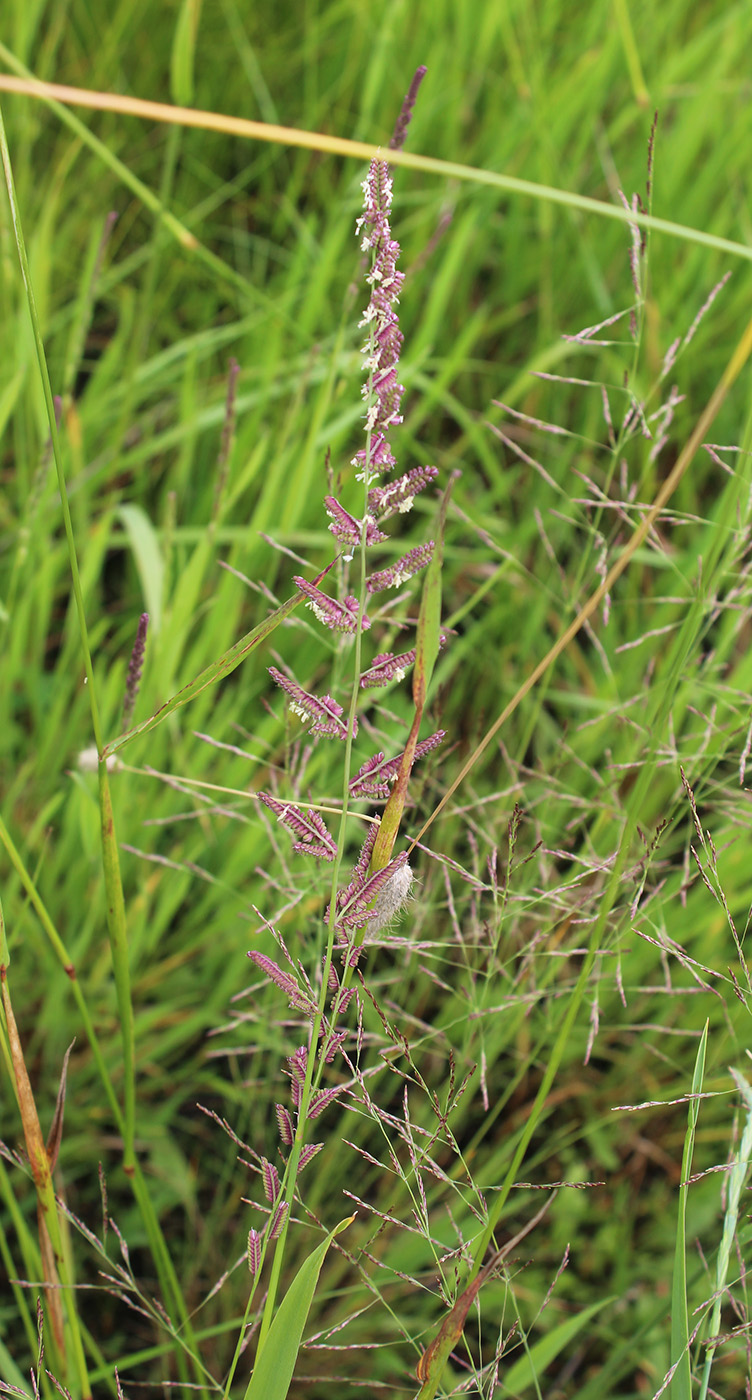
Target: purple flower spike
x: 347, y: 529
x: 284, y: 1124
x: 323, y: 1098
x: 399, y: 495
x: 404, y: 569
x: 375, y: 777
x: 297, y: 1071
x: 406, y: 112
x: 136, y: 666
x: 278, y: 1220
x: 323, y: 715
x: 309, y: 827
x: 335, y: 1043
x: 383, y: 390
x: 341, y: 617
x: 284, y: 981
x: 310, y: 1150
x: 386, y: 667
x: 254, y: 1252
x: 270, y: 1177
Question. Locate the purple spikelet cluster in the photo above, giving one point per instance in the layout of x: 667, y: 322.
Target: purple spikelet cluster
x: 254, y: 1252
x: 386, y: 667
x: 308, y: 826
x: 398, y: 495
x: 376, y: 776
x: 341, y: 617
x: 382, y: 390
x: 135, y: 667
x: 347, y: 529
x: 322, y: 715
x: 396, y: 574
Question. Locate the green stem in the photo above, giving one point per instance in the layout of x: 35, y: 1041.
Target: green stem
x: 314, y: 1063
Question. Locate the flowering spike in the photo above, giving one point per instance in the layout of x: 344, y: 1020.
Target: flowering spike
x: 359, y: 871
x: 270, y: 1177
x: 406, y: 111
x: 284, y: 1124
x: 288, y: 985
x: 386, y: 667
x: 347, y: 529
x: 375, y: 777
x: 254, y: 1252
x: 135, y: 667
x: 383, y: 390
x: 278, y: 1220
x: 323, y: 1098
x: 366, y: 851
x: 323, y: 715
x: 404, y: 569
x: 309, y: 1151
x: 341, y: 617
x: 308, y: 826
x: 334, y: 1043
x: 339, y: 1004
x: 297, y: 1072
x: 399, y: 495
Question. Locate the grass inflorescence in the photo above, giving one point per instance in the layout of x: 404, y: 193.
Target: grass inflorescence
x: 374, y: 823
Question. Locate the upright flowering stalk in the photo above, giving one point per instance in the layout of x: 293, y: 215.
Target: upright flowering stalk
x: 367, y: 902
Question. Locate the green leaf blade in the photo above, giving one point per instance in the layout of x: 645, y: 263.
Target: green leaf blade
x: 274, y: 1366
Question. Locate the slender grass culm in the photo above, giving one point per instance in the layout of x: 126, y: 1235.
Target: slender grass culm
x: 379, y: 885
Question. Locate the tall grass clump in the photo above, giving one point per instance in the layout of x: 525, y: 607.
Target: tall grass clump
x: 375, y: 1002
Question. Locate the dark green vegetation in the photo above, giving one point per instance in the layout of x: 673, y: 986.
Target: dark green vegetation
x: 584, y: 781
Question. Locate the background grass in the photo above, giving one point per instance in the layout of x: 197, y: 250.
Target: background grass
x: 139, y: 335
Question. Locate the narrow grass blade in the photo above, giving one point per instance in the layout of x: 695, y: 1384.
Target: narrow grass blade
x: 736, y: 1183
x: 59, y: 93
x: 681, y: 1384
x: 148, y: 557
x: 184, y: 52
x: 65, y: 1331
x: 273, y: 1370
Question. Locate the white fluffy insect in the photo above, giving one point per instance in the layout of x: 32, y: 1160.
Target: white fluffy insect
x: 391, y: 898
